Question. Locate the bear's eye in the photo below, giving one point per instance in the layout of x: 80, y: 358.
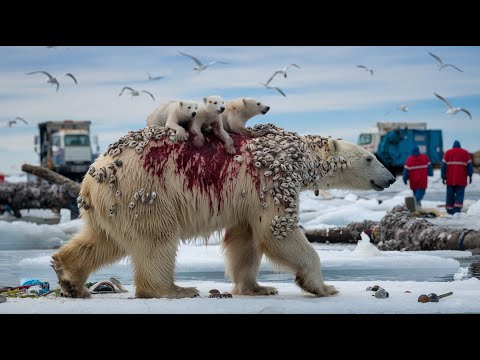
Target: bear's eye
x: 369, y: 159
x: 215, y: 103
x: 189, y: 107
x: 258, y: 104
x: 210, y: 102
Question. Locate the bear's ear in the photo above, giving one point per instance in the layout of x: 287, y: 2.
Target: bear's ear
x: 332, y: 145
x: 181, y: 103
x: 205, y: 100
x: 244, y: 101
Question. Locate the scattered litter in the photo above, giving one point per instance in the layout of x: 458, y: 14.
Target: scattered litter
x: 3, y: 299
x: 381, y: 293
x: 432, y: 297
x: 374, y: 288
x: 106, y: 287
x: 214, y: 293
x: 32, y: 288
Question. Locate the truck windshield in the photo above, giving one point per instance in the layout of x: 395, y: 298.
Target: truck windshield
x: 364, y: 139
x: 77, y: 140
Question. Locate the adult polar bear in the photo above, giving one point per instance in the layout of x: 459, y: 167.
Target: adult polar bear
x: 140, y: 200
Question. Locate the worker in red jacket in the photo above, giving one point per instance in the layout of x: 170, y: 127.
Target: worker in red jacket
x: 456, y: 166
x: 416, y: 169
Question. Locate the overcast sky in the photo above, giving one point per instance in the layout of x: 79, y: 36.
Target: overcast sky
x: 329, y: 95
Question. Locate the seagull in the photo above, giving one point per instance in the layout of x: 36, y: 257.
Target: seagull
x: 274, y: 87
x: 135, y: 92
x: 200, y: 66
x: 14, y: 121
x: 284, y: 72
x: 366, y: 68
x: 441, y: 65
x: 73, y: 77
x: 403, y: 108
x: 50, y: 80
x: 150, y: 77
x: 451, y: 110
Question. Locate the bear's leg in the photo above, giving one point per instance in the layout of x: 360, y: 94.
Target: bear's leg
x: 154, y: 267
x: 296, y: 253
x: 243, y: 255
x: 85, y: 253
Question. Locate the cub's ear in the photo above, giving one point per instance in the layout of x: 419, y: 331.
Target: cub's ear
x: 244, y: 101
x: 332, y: 145
x: 181, y: 103
x: 205, y: 100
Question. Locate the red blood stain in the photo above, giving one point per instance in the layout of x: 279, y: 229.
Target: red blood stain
x: 208, y: 168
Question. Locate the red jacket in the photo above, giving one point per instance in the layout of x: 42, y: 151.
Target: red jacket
x: 417, y: 166
x: 455, y: 161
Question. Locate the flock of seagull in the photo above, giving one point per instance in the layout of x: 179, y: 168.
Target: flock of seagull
x: 441, y: 65
x: 200, y: 66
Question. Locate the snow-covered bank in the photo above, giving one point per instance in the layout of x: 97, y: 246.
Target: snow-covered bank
x: 352, y: 299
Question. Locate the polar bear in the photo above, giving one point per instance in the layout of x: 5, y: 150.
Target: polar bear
x: 142, y: 202
x: 208, y: 114
x: 173, y: 115
x: 238, y: 112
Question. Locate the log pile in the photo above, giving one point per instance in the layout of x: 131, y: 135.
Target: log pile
x: 401, y: 230
x: 55, y: 192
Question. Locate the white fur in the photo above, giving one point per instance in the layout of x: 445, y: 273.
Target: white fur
x: 173, y: 115
x: 238, y: 112
x: 209, y: 114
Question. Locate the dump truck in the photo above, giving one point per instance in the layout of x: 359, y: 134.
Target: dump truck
x: 64, y: 147
x: 392, y: 143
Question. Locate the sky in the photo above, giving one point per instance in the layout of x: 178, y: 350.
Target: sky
x: 327, y: 96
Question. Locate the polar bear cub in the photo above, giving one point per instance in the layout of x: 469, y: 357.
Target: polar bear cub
x: 209, y: 114
x: 173, y: 115
x: 238, y: 112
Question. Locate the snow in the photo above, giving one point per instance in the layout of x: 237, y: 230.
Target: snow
x: 351, y: 299
x: 26, y: 248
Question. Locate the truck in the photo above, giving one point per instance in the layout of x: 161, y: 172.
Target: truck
x: 392, y: 143
x: 64, y: 147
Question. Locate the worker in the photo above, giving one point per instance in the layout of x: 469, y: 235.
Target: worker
x: 456, y: 167
x: 416, y: 169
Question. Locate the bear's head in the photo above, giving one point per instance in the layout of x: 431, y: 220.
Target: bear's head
x: 365, y: 171
x: 214, y: 104
x: 251, y: 107
x: 188, y: 108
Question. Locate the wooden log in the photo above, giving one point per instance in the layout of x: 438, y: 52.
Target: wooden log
x: 71, y: 186
x: 348, y: 234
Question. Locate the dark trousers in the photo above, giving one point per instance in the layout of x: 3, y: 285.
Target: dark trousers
x: 455, y: 195
x: 419, y: 193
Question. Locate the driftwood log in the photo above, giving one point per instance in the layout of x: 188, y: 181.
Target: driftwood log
x: 40, y: 195
x: 401, y: 230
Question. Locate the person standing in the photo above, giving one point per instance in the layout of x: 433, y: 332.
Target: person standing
x: 456, y: 166
x: 416, y: 169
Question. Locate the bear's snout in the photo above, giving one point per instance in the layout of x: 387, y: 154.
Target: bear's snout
x: 266, y: 110
x: 193, y: 114
x: 222, y: 109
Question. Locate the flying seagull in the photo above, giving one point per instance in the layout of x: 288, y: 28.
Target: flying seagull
x: 403, y: 108
x: 284, y: 72
x: 366, y: 68
x: 50, y: 80
x: 135, y: 92
x: 441, y: 65
x: 452, y: 110
x: 200, y: 66
x: 73, y: 77
x: 14, y: 121
x: 150, y: 77
x: 274, y: 87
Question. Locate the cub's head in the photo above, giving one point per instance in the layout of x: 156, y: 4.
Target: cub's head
x: 252, y: 107
x: 188, y: 108
x: 214, y: 104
